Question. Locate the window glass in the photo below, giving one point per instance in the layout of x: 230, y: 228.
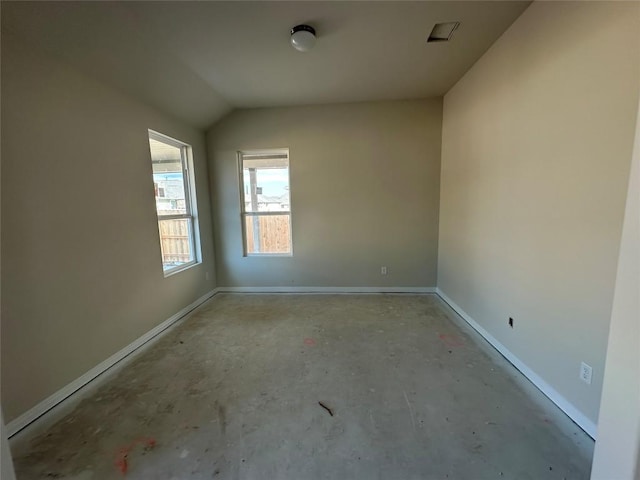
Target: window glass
x: 266, y: 202
x: 173, y: 192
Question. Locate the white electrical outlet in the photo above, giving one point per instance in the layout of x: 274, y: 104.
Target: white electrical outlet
x: 383, y: 270
x: 585, y: 373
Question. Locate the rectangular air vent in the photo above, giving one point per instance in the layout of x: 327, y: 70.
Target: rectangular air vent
x: 442, y: 31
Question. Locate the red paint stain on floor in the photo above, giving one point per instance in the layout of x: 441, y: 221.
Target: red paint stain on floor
x: 309, y: 341
x: 451, y: 340
x: 122, y: 462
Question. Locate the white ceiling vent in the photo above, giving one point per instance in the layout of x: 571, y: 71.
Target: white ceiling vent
x: 442, y: 31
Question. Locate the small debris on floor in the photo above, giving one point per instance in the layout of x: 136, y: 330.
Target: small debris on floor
x: 326, y: 408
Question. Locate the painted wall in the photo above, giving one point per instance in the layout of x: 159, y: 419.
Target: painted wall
x: 6, y: 462
x: 81, y: 270
x: 537, y: 141
x: 617, y: 449
x: 364, y: 193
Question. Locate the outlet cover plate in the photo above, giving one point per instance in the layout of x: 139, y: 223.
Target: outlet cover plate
x: 585, y: 373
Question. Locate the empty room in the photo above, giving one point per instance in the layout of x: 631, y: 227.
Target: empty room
x: 305, y: 240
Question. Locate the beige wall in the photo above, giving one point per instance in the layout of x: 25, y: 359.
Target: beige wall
x: 6, y: 462
x: 617, y: 449
x: 81, y: 271
x: 537, y: 141
x: 364, y: 193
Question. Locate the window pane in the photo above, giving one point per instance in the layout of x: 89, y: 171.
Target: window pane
x: 266, y: 185
x: 268, y: 233
x: 168, y: 178
x: 175, y: 242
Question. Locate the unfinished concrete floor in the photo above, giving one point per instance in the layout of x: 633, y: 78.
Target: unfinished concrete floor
x: 233, y: 392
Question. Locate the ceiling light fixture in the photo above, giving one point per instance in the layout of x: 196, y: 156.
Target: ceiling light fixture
x: 303, y: 37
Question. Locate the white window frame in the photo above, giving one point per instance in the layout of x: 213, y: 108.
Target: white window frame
x: 191, y: 212
x: 243, y: 213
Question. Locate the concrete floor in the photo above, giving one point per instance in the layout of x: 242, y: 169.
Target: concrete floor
x: 233, y: 392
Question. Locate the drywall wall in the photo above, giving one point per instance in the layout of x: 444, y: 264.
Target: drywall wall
x: 617, y: 449
x: 81, y: 271
x: 537, y: 141
x: 364, y: 193
x: 6, y: 462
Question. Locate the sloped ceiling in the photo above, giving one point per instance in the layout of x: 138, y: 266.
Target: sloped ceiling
x: 199, y: 60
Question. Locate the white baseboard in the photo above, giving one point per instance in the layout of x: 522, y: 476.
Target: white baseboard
x: 47, y: 404
x: 576, y: 415
x: 326, y: 289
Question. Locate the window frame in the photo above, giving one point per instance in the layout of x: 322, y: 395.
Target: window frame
x: 241, y: 154
x: 188, y: 180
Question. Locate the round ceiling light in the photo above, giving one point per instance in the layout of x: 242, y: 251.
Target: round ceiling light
x: 303, y: 37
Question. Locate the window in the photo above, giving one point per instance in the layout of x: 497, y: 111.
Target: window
x: 265, y: 202
x: 175, y: 205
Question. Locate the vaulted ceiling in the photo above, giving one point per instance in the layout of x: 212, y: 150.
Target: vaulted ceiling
x: 199, y: 60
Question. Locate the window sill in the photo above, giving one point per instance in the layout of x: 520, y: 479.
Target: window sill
x: 181, y: 268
